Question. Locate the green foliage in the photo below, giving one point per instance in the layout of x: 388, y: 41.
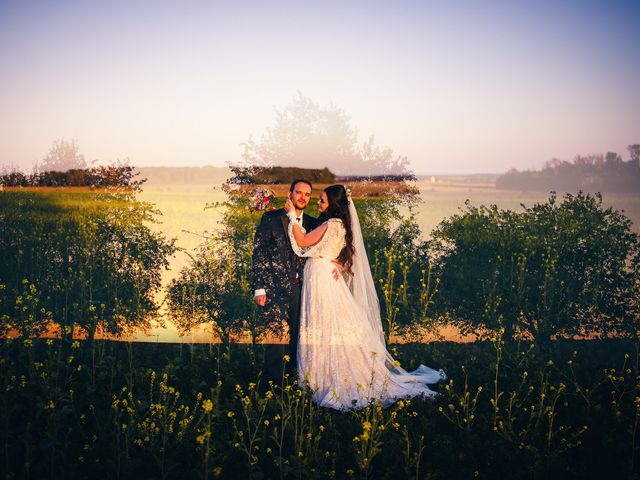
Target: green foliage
x: 121, y: 410
x: 215, y: 288
x: 555, y: 268
x: 78, y: 258
x: 285, y: 175
x: 400, y: 264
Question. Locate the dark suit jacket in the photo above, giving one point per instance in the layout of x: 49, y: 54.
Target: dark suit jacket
x: 274, y: 263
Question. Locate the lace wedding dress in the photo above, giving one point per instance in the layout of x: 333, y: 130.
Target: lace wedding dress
x: 342, y: 354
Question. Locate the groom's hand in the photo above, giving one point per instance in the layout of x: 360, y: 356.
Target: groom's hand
x: 261, y: 300
x: 337, y: 269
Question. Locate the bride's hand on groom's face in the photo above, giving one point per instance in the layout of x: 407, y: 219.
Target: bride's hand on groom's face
x: 288, y: 205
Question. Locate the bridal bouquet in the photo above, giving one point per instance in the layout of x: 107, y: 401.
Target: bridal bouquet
x: 261, y: 199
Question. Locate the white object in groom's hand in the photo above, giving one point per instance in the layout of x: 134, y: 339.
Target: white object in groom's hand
x: 261, y: 300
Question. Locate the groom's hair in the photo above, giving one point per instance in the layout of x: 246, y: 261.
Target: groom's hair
x: 300, y: 180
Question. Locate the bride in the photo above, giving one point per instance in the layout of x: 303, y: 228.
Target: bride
x: 342, y: 354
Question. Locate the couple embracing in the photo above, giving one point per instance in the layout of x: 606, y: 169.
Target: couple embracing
x: 314, y: 274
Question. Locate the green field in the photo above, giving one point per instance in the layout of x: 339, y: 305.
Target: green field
x: 130, y: 411
x: 565, y: 407
x: 184, y: 217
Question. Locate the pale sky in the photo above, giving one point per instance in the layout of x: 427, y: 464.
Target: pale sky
x: 457, y: 87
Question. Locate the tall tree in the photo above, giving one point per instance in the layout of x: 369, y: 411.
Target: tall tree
x: 64, y: 155
x: 634, y: 153
x: 308, y: 135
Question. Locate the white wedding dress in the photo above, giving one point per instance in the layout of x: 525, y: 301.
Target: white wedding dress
x: 342, y: 355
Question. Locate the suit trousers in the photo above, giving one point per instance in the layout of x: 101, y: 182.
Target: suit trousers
x: 274, y: 353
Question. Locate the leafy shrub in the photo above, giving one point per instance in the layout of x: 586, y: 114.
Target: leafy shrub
x: 84, y: 258
x: 554, y: 269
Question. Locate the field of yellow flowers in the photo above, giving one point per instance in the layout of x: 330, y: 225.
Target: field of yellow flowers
x: 76, y: 409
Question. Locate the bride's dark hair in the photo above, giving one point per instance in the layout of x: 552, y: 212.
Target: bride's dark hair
x: 339, y: 208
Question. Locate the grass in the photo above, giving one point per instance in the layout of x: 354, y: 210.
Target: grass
x: 123, y: 410
x: 75, y: 409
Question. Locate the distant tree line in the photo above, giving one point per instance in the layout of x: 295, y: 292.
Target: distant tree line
x: 243, y: 175
x: 607, y: 172
x: 110, y: 176
x: 65, y: 166
x: 378, y: 178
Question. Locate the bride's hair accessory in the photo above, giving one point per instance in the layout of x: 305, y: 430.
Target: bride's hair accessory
x: 348, y: 190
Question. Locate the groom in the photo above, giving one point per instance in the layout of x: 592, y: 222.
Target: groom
x: 277, y: 277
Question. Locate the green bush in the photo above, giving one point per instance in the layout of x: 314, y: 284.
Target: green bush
x: 84, y: 258
x: 554, y: 269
